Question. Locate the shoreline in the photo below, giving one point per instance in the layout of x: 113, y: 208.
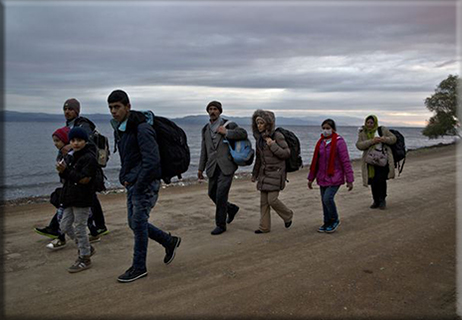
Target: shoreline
x: 177, y: 184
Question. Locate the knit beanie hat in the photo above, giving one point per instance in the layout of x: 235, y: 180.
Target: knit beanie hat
x: 73, y: 104
x: 79, y: 133
x: 216, y: 104
x: 62, y: 134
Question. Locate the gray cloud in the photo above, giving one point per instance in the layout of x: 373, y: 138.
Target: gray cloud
x: 54, y: 51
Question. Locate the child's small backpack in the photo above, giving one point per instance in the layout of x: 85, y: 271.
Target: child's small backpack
x: 241, y: 150
x: 398, y: 149
x: 173, y: 146
x: 294, y: 162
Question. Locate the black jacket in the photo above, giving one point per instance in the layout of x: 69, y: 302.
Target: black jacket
x: 139, y: 152
x: 80, y: 164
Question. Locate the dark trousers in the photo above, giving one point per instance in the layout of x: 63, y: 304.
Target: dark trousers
x: 219, y: 185
x: 139, y: 206
x: 379, y: 183
x: 95, y: 220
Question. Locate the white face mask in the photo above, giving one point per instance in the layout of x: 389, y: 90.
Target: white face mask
x: 327, y: 132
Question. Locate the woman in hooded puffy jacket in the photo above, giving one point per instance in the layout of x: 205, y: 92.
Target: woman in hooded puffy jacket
x: 270, y: 169
x: 330, y: 166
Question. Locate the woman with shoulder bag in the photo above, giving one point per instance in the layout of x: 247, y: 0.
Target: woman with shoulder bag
x: 377, y: 164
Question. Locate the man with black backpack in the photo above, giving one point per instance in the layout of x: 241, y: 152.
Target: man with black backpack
x: 217, y: 161
x: 140, y: 174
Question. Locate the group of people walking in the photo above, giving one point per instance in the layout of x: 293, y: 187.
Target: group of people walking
x: 140, y: 173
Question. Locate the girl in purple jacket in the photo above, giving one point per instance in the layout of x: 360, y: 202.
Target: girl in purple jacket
x: 330, y: 166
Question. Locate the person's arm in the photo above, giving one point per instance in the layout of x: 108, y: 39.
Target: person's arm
x: 345, y: 162
x: 150, y: 157
x: 256, y: 166
x: 279, y: 146
x: 363, y: 143
x: 388, y: 137
x: 203, y: 158
x: 82, y: 176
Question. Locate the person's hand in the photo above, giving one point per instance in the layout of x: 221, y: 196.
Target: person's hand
x: 200, y: 175
x: 126, y: 184
x: 65, y: 150
x: 269, y: 141
x: 310, y: 184
x: 350, y: 186
x: 221, y: 130
x: 377, y: 140
x: 85, y: 180
x: 253, y: 179
x: 61, y: 166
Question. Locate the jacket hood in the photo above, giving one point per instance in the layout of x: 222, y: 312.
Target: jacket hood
x: 268, y: 116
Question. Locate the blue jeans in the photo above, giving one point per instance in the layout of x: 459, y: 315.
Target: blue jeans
x: 139, y: 206
x: 328, y: 203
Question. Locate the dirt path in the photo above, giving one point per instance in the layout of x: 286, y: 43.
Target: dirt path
x: 396, y: 263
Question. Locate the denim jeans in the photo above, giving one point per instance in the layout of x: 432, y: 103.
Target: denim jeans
x: 328, y: 204
x: 139, y: 206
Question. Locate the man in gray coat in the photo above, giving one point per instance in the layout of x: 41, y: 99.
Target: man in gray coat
x: 218, y: 163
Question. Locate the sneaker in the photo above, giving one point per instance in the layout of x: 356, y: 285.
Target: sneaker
x: 132, y: 274
x: 374, y: 205
x: 170, y: 251
x: 47, y: 232
x: 382, y: 205
x: 232, y: 214
x: 56, y: 244
x: 323, y: 228
x: 102, y: 232
x: 332, y: 227
x: 288, y: 224
x: 218, y: 230
x: 80, y: 264
x: 93, y: 239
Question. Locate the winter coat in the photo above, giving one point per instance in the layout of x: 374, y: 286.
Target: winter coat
x: 364, y: 143
x: 220, y: 156
x: 270, y: 163
x: 80, y: 164
x: 139, y: 152
x: 342, y: 165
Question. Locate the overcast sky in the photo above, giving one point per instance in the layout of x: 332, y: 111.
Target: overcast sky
x: 298, y: 58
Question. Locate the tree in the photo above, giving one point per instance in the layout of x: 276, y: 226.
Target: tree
x: 444, y: 103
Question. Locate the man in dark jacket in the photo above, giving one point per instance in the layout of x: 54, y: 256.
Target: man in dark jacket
x: 96, y: 222
x: 140, y: 174
x: 218, y: 163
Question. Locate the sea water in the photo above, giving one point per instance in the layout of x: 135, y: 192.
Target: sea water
x: 29, y: 153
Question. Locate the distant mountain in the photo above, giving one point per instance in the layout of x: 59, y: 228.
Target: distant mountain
x: 14, y: 116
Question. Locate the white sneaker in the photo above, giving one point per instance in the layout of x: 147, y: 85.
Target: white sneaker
x: 56, y: 244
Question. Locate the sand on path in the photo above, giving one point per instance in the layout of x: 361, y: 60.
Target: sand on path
x: 397, y: 263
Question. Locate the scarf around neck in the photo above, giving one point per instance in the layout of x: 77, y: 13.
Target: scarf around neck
x: 333, y: 151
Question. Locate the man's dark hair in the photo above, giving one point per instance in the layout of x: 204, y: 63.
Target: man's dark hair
x: 331, y: 123
x: 118, y: 96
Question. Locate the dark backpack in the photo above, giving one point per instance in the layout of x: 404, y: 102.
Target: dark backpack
x: 173, y: 146
x: 294, y: 162
x: 100, y: 141
x: 398, y: 149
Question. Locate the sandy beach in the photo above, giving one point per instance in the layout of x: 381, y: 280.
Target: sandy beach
x: 396, y: 263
